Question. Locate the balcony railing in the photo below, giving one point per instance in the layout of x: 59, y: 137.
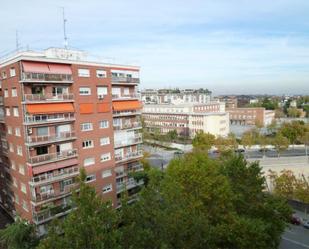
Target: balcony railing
x: 48, y: 213
x: 129, y: 184
x: 128, y: 156
x: 54, y: 176
x: 125, y: 80
x: 130, y: 125
x: 136, y: 167
x: 47, y: 77
x: 33, y: 119
x: 53, y: 156
x: 48, y: 97
x: 50, y: 138
x: 126, y: 142
x: 126, y: 113
x: 125, y: 96
x: 51, y: 194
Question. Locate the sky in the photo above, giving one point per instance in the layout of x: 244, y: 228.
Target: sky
x: 227, y: 46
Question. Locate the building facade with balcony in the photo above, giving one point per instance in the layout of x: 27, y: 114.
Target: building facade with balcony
x: 60, y: 113
x: 187, y: 119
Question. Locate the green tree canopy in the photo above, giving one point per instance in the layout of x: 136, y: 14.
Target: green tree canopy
x: 203, y: 141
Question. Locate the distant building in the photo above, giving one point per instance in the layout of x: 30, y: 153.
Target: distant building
x: 250, y: 116
x: 230, y: 101
x: 187, y: 119
x: 175, y: 96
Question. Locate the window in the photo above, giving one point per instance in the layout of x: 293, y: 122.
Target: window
x: 19, y: 150
x: 14, y: 181
x: 89, y: 161
x: 101, y: 74
x: 90, y: 178
x: 106, y: 173
x: 88, y: 144
x: 105, y: 157
x: 41, y: 150
x: 14, y: 92
x: 12, y: 72
x: 9, y: 130
x: 101, y: 91
x: 15, y: 112
x: 42, y: 131
x: 6, y: 93
x: 23, y: 188
x: 25, y: 206
x: 21, y: 169
x: 16, y: 199
x: 86, y: 127
x: 13, y: 165
x: 17, y: 132
x: 104, y: 124
x: 11, y: 147
x: 107, y: 188
x: 104, y: 141
x: 83, y: 72
x: 7, y: 111
x: 4, y: 75
x: 84, y: 91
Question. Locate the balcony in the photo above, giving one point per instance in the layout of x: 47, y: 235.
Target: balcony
x: 50, y: 213
x: 134, y: 140
x: 52, y: 194
x: 62, y: 136
x: 1, y: 118
x: 52, y: 118
x: 43, y: 77
x: 135, y: 168
x: 46, y: 158
x: 130, y: 125
x: 125, y: 96
x: 126, y: 113
x: 54, y: 176
x: 35, y: 98
x: 125, y: 80
x: 127, y: 185
x: 128, y: 156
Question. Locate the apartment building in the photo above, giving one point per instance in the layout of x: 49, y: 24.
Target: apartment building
x: 60, y: 113
x: 250, y: 116
x: 175, y: 96
x: 187, y: 119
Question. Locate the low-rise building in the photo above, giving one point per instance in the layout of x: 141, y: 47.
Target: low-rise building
x: 250, y: 116
x: 187, y: 119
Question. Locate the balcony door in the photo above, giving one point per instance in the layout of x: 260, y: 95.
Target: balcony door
x: 60, y: 90
x: 37, y: 90
x: 64, y: 148
x: 62, y: 130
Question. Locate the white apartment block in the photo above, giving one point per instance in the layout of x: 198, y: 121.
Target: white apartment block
x: 187, y: 119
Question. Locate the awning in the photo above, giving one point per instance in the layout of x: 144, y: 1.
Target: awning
x: 86, y: 108
x: 50, y: 108
x: 48, y: 68
x: 103, y: 107
x: 35, y: 67
x: 53, y: 166
x: 126, y: 105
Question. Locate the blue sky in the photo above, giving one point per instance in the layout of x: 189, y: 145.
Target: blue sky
x: 228, y: 46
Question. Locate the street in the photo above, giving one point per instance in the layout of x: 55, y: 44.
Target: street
x: 295, y: 237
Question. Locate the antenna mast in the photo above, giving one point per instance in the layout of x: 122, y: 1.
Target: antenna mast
x: 17, y: 41
x: 64, y: 30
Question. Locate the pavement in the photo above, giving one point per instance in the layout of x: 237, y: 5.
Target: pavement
x: 296, y: 237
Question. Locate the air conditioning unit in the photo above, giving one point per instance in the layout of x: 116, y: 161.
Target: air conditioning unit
x: 29, y: 131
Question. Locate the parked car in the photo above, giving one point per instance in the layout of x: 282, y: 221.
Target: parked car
x: 295, y: 220
x: 306, y: 224
x: 240, y: 150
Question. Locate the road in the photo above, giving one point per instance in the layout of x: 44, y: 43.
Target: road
x: 295, y: 237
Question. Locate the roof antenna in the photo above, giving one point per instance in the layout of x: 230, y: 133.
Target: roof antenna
x: 64, y: 30
x: 17, y: 41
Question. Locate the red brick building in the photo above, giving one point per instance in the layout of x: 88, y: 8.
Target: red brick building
x: 60, y: 113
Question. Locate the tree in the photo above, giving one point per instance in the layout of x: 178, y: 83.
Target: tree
x: 272, y: 127
x: 283, y: 184
x: 279, y: 113
x: 92, y: 224
x: 263, y: 142
x: 305, y: 139
x: 249, y: 138
x: 293, y: 131
x: 293, y: 112
x: 19, y: 235
x: 280, y: 143
x: 172, y: 135
x: 203, y: 141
